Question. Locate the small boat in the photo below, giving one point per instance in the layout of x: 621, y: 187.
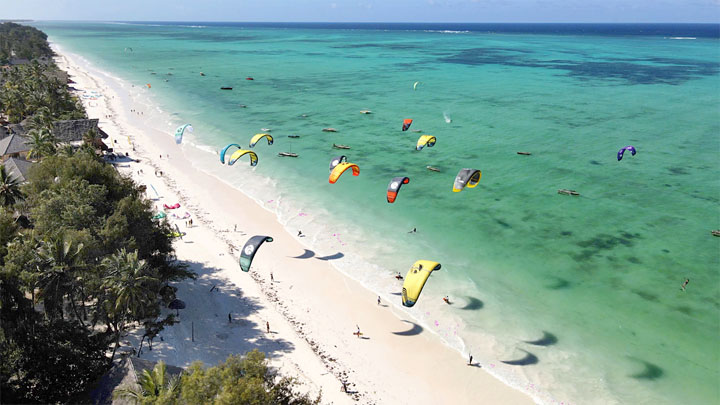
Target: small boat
x: 249, y: 78
x: 715, y: 232
x: 288, y: 154
x: 225, y: 88
x: 524, y: 153
x: 336, y: 146
x: 416, y: 130
x: 329, y: 130
x: 202, y: 74
x: 242, y: 106
x: 432, y: 168
x: 365, y: 112
x: 265, y: 129
x: 567, y: 192
x: 294, y: 136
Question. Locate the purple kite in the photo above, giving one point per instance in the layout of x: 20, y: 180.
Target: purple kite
x: 622, y: 151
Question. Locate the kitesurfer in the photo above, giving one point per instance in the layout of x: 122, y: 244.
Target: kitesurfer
x: 446, y: 299
x: 378, y: 300
x: 687, y: 280
x: 414, y: 230
x: 398, y: 276
x: 300, y: 233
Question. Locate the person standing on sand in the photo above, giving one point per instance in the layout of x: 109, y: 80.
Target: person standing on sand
x: 378, y: 300
x: 272, y: 279
x: 446, y: 299
x: 267, y: 325
x: 229, y: 317
x: 470, y: 361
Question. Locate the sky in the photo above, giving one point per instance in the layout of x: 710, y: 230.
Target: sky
x: 615, y: 11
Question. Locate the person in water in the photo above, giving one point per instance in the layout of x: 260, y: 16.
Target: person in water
x: 687, y: 280
x: 398, y: 276
x: 414, y: 230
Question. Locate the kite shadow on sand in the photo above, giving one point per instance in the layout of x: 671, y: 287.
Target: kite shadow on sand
x: 310, y: 254
x: 473, y: 303
x: 413, y: 331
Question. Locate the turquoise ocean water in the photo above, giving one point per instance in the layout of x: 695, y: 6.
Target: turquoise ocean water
x: 592, y: 282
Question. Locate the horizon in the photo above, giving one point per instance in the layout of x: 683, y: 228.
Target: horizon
x: 372, y: 22
x: 375, y: 11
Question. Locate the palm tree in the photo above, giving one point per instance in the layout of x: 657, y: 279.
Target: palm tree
x: 154, y: 385
x: 9, y: 188
x: 59, y: 265
x: 41, y: 142
x: 132, y: 287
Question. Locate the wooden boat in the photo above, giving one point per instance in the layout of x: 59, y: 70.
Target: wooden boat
x: 715, y: 232
x: 329, y: 130
x: 225, y: 88
x: 365, y: 112
x: 336, y: 146
x: 432, y: 168
x: 202, y: 74
x: 524, y: 153
x: 567, y: 192
x: 294, y: 136
x: 288, y: 154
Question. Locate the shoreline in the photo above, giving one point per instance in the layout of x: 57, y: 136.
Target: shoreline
x: 300, y: 345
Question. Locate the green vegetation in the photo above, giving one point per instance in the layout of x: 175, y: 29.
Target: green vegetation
x: 86, y: 263
x: 22, y: 41
x: 239, y: 380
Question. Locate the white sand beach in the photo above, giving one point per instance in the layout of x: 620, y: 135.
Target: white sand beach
x: 311, y: 308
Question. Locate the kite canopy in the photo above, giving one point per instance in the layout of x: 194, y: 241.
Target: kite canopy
x: 180, y: 131
x: 257, y: 137
x: 240, y: 153
x: 621, y: 152
x: 340, y: 169
x: 337, y: 160
x: 415, y: 280
x: 249, y: 250
x: 406, y: 124
x: 425, y: 140
x: 225, y: 149
x: 466, y: 178
x: 394, y: 187
x: 415, y: 85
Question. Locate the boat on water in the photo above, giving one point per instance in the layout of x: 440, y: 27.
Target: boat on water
x: 249, y: 78
x: 226, y: 88
x: 202, y: 74
x: 715, y: 232
x: 416, y: 130
x: 288, y: 154
x: 524, y: 153
x: 242, y: 106
x: 432, y: 168
x: 329, y: 130
x: 293, y: 136
x: 265, y: 129
x: 365, y: 112
x: 567, y: 192
x: 336, y: 146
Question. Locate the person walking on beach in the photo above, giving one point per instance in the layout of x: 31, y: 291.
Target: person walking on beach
x: 398, y: 276
x: 229, y: 317
x: 272, y: 279
x: 267, y: 325
x: 300, y: 233
x: 378, y: 300
x: 470, y: 361
x: 687, y: 280
x: 235, y: 229
x: 446, y: 299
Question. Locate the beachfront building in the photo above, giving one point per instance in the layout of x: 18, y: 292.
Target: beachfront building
x: 13, y: 146
x: 69, y: 131
x: 18, y: 168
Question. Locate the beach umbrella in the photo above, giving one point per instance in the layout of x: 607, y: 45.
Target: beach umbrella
x: 177, y: 305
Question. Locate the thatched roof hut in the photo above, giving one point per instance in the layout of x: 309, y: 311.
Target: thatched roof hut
x: 18, y: 168
x: 125, y: 372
